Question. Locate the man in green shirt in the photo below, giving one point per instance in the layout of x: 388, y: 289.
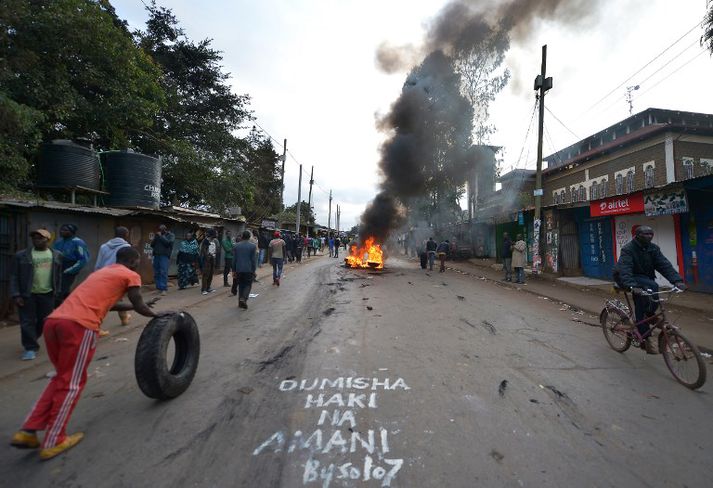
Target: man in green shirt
x: 227, y: 244
x: 35, y: 283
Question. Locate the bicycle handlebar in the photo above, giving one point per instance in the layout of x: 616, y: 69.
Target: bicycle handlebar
x: 649, y: 292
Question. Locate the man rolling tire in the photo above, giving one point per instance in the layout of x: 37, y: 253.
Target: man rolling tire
x: 71, y: 336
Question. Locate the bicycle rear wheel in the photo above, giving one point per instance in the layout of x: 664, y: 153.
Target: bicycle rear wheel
x: 683, y: 359
x: 616, y: 331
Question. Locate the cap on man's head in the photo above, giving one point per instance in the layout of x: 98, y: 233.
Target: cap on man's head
x: 644, y: 229
x: 43, y: 232
x: 70, y: 227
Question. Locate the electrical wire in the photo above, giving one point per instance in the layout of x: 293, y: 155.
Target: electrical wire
x: 527, y: 134
x: 642, y: 68
x: 561, y: 123
x: 677, y: 70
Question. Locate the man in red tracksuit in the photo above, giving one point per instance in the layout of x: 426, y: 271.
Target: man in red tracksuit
x: 71, y: 336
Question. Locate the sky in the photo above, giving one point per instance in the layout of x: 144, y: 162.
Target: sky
x: 309, y: 68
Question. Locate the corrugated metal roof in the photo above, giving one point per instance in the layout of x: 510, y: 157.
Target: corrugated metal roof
x: 61, y: 206
x: 177, y: 214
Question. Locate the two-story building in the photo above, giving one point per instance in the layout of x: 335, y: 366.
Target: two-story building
x: 654, y: 168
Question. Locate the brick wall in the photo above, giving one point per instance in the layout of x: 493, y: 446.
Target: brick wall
x: 606, y: 167
x: 691, y: 150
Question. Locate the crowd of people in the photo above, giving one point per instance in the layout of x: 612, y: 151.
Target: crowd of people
x: 42, y: 275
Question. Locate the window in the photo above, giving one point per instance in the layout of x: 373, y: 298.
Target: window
x: 687, y: 168
x: 649, y: 177
x: 594, y: 191
x: 582, y: 193
x: 619, y: 183
x: 603, y: 188
x: 630, y: 181
x: 563, y: 196
x: 556, y: 198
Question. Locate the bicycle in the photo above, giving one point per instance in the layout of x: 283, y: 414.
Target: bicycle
x: 682, y: 357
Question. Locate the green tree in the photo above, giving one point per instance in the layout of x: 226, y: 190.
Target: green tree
x: 204, y: 162
x: 290, y: 214
x: 74, y: 62
x: 264, y: 171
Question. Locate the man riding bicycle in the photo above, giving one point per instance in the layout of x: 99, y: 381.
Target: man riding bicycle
x: 636, y: 270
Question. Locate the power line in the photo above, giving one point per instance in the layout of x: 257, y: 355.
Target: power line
x: 561, y: 123
x: 642, y: 68
x: 696, y: 42
x: 677, y: 70
x: 527, y: 134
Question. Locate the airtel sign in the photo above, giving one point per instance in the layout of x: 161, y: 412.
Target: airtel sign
x: 618, y: 205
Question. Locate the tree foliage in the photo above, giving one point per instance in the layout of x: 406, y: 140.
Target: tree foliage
x: 707, y: 39
x: 264, y: 173
x: 482, y: 78
x: 204, y: 161
x: 290, y: 214
x: 69, y: 68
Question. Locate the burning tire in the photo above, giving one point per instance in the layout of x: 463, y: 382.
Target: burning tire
x: 153, y: 374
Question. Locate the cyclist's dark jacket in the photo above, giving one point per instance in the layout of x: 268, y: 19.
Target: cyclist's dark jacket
x: 636, y: 259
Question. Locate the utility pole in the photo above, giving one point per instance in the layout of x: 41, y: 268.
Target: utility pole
x: 339, y: 214
x: 299, y: 201
x: 329, y: 215
x: 542, y: 84
x: 309, y: 201
x: 284, y: 158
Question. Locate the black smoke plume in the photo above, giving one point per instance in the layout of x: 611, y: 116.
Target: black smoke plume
x: 431, y: 113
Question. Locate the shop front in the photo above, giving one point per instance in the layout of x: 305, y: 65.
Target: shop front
x: 697, y: 235
x: 658, y: 210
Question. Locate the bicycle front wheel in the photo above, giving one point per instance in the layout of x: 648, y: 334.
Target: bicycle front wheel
x: 683, y: 359
x: 616, y: 331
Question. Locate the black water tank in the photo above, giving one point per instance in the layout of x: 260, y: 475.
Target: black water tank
x: 132, y: 179
x: 64, y: 164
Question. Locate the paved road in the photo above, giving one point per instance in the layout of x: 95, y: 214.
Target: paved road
x: 408, y: 379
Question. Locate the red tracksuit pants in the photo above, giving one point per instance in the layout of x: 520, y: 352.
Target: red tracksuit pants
x: 70, y: 347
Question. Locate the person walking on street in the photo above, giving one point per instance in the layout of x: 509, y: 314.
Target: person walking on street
x: 227, y: 244
x: 330, y: 243
x: 431, y: 247
x: 75, y: 255
x: 518, y: 259
x: 277, y: 257
x: 443, y: 249
x: 262, y: 242
x: 35, y: 284
x: 71, y: 338
x: 315, y: 245
x: 337, y: 243
x: 209, y: 250
x: 636, y: 269
x: 244, y: 268
x: 507, y: 256
x: 299, y: 247
x: 107, y: 256
x: 162, y: 245
x: 187, y: 260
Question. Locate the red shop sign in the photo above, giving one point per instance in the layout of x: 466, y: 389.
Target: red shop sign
x: 624, y: 204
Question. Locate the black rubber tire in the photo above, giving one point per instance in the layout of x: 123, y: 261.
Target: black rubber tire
x: 615, y: 341
x: 153, y: 375
x: 672, y: 356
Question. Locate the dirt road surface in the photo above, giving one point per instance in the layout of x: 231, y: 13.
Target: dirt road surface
x: 402, y: 378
